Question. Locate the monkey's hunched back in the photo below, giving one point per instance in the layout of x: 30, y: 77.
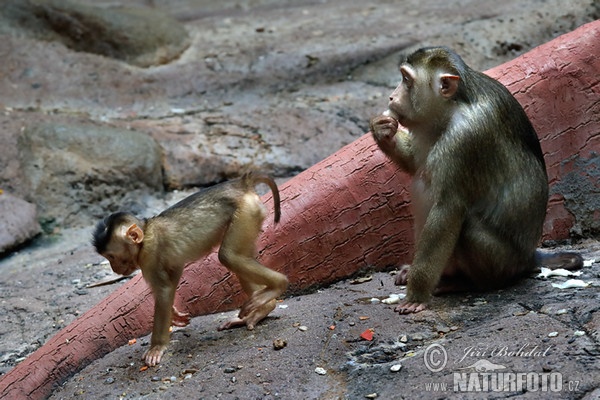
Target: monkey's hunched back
x: 221, y: 200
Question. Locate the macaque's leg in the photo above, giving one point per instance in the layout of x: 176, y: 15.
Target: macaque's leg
x: 164, y: 296
x: 179, y: 319
x: 238, y: 252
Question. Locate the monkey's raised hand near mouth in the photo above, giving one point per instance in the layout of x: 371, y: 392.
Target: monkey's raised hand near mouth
x: 479, y: 184
x: 230, y: 213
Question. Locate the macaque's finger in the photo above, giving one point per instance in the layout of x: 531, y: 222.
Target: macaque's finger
x: 384, y: 128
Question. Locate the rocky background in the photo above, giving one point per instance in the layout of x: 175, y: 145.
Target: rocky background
x: 106, y: 105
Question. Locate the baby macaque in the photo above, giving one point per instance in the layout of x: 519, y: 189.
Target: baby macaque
x: 230, y: 213
x: 479, y: 183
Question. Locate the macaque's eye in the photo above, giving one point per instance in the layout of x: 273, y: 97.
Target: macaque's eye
x: 406, y: 79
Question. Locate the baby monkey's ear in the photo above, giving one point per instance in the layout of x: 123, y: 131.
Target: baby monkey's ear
x: 135, y: 234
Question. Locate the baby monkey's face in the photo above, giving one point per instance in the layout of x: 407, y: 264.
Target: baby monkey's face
x: 122, y: 257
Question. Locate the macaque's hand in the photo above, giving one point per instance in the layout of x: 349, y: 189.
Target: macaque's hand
x: 179, y: 319
x: 152, y: 357
x: 407, y: 307
x: 383, y: 127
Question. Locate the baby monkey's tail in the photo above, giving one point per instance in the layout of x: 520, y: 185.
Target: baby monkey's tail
x: 251, y: 179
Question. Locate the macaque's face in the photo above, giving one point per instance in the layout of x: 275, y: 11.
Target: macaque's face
x: 400, y: 105
x: 122, y: 256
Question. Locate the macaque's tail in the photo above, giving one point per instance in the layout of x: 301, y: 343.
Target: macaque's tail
x: 253, y: 178
x: 563, y: 259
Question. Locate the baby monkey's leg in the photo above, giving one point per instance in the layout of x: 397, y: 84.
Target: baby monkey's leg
x: 238, y: 252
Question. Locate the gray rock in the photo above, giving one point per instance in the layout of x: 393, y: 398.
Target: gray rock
x: 18, y: 222
x: 75, y: 172
x: 139, y: 36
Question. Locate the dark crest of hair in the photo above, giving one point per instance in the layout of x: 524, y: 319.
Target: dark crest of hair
x: 104, y: 230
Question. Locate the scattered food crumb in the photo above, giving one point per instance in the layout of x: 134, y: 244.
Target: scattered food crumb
x: 394, y: 298
x: 571, y: 283
x: 588, y: 263
x: 320, y: 371
x: 547, y: 272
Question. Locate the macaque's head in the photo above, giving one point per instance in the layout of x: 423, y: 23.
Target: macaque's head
x: 119, y: 238
x: 430, y: 80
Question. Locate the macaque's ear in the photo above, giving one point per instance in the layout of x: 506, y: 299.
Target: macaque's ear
x: 448, y: 85
x: 135, y: 234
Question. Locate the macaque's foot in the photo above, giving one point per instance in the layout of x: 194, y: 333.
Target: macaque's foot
x: 259, y: 301
x: 402, y: 276
x: 410, y: 307
x: 152, y: 357
x: 251, y: 318
x: 179, y: 319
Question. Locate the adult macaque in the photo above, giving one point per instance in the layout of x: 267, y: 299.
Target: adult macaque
x: 479, y: 183
x: 230, y: 213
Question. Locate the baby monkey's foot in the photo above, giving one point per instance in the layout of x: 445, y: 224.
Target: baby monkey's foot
x: 250, y: 317
x: 152, y: 357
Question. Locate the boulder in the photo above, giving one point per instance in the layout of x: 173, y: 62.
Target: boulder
x: 139, y: 36
x: 76, y: 173
x: 18, y: 221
